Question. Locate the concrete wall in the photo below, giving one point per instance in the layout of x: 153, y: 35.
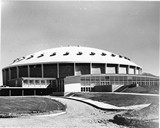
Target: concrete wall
x: 74, y: 87
x: 102, y: 88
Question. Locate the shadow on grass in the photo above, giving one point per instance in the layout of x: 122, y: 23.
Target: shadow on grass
x: 134, y: 123
x: 144, y: 118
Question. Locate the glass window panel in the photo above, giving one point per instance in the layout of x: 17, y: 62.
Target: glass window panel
x: 31, y: 81
x: 42, y: 81
x: 37, y: 82
x: 98, y: 69
x: 66, y: 69
x: 13, y: 72
x: 35, y: 71
x: 123, y: 70
x: 50, y: 70
x: 82, y: 68
x: 23, y: 71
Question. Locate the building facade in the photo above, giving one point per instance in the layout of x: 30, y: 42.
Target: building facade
x: 54, y: 67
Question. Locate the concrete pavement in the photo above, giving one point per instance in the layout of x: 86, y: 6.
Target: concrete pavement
x: 78, y: 115
x: 105, y: 106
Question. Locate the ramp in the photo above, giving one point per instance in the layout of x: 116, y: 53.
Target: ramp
x: 116, y: 87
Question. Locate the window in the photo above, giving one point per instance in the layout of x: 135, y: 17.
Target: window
x: 82, y: 68
x: 120, y: 56
x: 87, y: 89
x: 13, y: 72
x: 126, y: 58
x: 98, y: 68
x: 87, y: 83
x: 25, y: 81
x: 92, y: 53
x: 82, y: 89
x: 79, y: 53
x: 82, y: 79
x: 15, y: 60
x: 21, y: 59
x: 103, y: 54
x: 31, y: 81
x: 65, y: 54
x: 83, y: 83
x: 37, y: 81
x: 18, y: 59
x: 53, y: 54
x: 42, y: 81
x: 30, y: 57
x: 66, y: 69
x: 35, y: 71
x: 107, y: 78
x: 40, y: 55
x: 23, y: 71
x: 48, y: 82
x: 50, y: 70
x: 113, y: 55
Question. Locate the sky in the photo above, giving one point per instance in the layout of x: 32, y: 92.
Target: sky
x: 122, y: 27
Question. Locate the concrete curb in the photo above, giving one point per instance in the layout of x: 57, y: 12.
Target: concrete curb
x: 105, y: 106
x: 51, y: 114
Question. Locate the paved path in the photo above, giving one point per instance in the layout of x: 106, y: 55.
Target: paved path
x: 105, y: 106
x: 142, y: 94
x: 78, y: 115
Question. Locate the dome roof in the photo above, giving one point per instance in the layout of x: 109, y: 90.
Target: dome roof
x: 72, y: 54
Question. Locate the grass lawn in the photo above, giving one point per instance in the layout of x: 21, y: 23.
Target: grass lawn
x: 147, y: 117
x: 144, y: 118
x: 16, y: 106
x: 119, y: 99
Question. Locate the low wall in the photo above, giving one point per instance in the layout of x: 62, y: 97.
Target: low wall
x: 102, y: 88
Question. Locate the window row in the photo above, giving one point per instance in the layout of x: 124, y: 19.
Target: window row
x: 86, y: 89
x: 61, y: 70
x: 92, y: 84
x: 65, y: 54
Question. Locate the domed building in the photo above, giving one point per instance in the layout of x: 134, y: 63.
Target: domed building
x: 72, y: 69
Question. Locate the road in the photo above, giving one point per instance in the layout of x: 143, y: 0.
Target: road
x: 78, y: 115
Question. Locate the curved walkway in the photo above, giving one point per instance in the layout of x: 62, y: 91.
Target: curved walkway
x: 105, y: 106
x: 78, y: 115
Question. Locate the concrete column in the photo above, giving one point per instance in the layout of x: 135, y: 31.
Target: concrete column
x: 17, y: 72
x: 118, y: 69
x: 134, y: 70
x: 9, y: 71
x: 34, y: 83
x: 74, y: 69
x: 34, y: 92
x: 137, y: 70
x: 22, y: 92
x: 28, y: 71
x: 42, y: 71
x: 57, y: 70
x: 90, y: 68
x: 105, y: 68
x: 128, y: 69
x: 140, y: 70
x: 10, y: 93
x: 4, y: 77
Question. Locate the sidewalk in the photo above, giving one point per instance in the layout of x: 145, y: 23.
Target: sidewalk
x: 105, y: 106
